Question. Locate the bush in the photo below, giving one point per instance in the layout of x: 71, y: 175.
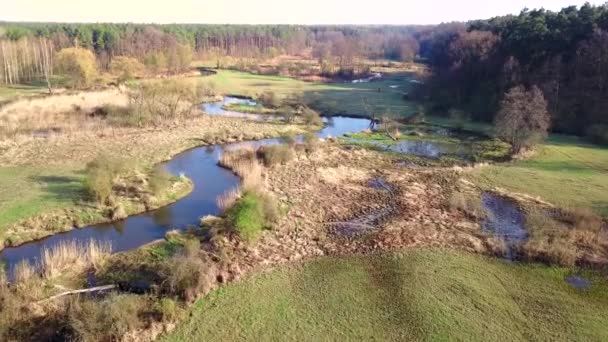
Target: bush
x: 108, y: 319
x: 152, y: 102
x: 311, y: 142
x: 126, y: 68
x: 311, y: 117
x: 597, y: 134
x: 276, y: 154
x: 79, y: 65
x: 100, y: 176
x: 186, y: 277
x: 159, y: 180
x: 168, y: 309
x: 269, y: 99
x: 252, y: 213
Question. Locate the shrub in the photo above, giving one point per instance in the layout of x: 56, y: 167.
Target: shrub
x: 100, y: 176
x: 159, y: 180
x: 168, y: 309
x: 186, y: 277
x: 287, y: 113
x: 597, y: 134
x: 126, y: 68
x: 152, y: 102
x: 276, y: 154
x: 311, y: 142
x: 247, y: 216
x: 78, y: 64
x: 108, y: 319
x: 311, y: 117
x: 269, y: 99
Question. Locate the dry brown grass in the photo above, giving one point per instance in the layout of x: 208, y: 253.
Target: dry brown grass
x: 73, y: 256
x: 228, y: 199
x: 467, y: 203
x: 24, y: 272
x: 566, y: 237
x: 58, y: 113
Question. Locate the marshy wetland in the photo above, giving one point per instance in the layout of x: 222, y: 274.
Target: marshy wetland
x: 301, y: 217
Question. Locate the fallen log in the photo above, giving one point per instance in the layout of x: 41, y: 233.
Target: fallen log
x: 72, y: 292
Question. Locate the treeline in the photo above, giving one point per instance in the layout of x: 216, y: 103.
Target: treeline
x: 157, y: 45
x: 563, y: 53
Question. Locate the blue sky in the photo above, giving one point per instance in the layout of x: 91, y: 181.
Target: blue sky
x: 268, y: 11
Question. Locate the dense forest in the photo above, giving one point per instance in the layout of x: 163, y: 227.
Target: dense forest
x: 564, y: 53
x: 157, y: 45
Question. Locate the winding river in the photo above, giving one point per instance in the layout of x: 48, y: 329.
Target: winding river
x: 210, y: 181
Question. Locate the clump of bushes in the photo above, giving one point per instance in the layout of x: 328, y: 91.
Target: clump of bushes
x: 276, y: 154
x: 108, y: 319
x: 269, y: 99
x: 100, y: 176
x: 159, y: 179
x: 254, y: 211
x: 153, y: 102
x: 311, y: 117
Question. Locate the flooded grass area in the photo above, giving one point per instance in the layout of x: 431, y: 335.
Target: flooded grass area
x: 433, y: 143
x: 505, y: 220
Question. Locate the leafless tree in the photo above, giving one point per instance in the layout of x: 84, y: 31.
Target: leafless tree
x: 523, y: 119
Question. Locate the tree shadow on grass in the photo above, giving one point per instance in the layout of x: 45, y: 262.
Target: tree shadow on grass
x: 61, y: 188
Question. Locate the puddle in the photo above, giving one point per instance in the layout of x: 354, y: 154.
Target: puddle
x: 505, y: 220
x: 427, y: 149
x: 579, y: 282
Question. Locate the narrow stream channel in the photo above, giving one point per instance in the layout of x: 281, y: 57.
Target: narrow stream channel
x: 210, y: 181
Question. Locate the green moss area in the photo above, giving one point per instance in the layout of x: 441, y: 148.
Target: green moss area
x: 53, y: 200
x: 565, y: 171
x: 461, y: 147
x: 417, y: 295
x: 245, y: 108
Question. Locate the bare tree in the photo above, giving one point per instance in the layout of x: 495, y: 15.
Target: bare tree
x: 523, y: 119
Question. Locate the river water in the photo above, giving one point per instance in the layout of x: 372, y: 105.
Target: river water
x: 210, y: 181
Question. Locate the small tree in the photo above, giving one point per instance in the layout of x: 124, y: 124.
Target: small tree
x: 126, y: 68
x: 156, y: 62
x: 523, y: 119
x: 78, y: 64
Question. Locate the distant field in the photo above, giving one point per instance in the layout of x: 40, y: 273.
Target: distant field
x: 566, y: 171
x: 10, y: 92
x: 345, y: 98
x: 422, y: 295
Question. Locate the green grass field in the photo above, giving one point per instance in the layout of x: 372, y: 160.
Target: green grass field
x: 565, y: 171
x: 343, y: 98
x: 27, y: 191
x: 10, y: 92
x: 420, y: 295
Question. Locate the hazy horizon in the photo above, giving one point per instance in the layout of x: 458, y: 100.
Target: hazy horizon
x: 311, y: 12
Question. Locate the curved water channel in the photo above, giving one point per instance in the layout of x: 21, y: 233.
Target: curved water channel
x: 210, y: 181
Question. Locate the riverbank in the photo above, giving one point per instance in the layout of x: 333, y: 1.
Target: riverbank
x: 42, y: 177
